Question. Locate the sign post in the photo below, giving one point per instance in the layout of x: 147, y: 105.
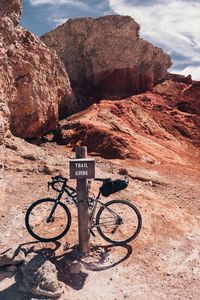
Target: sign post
x: 81, y: 169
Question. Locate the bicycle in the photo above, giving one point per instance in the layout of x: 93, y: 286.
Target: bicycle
x: 117, y: 221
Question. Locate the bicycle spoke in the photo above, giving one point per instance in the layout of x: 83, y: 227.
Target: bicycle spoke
x: 117, y: 221
x: 44, y: 226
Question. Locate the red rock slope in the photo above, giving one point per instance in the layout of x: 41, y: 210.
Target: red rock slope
x: 156, y: 126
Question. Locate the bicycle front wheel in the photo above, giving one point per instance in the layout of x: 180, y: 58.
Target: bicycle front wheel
x: 44, y: 225
x: 118, y: 221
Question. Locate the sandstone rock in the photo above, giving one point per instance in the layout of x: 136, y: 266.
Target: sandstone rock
x: 180, y: 78
x: 12, y: 9
x: 106, y: 56
x: 33, y: 83
x: 4, y: 121
x: 40, y: 277
x: 12, y: 256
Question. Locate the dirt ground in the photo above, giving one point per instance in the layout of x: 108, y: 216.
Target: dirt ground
x: 161, y: 263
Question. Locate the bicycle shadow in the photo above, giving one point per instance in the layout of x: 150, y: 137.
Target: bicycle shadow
x: 73, y: 268
x: 49, y: 252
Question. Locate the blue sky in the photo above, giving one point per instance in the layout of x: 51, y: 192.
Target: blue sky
x: 170, y: 24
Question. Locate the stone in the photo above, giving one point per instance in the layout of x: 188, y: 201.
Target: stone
x: 40, y: 277
x: 34, y: 87
x: 105, y: 57
x: 11, y: 9
x: 7, y: 280
x: 12, y: 256
x: 76, y: 267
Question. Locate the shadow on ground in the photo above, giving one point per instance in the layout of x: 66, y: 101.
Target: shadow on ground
x: 73, y: 268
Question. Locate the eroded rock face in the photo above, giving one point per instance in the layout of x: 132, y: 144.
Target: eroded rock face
x: 33, y: 82
x: 106, y: 56
x: 4, y: 121
x: 11, y: 9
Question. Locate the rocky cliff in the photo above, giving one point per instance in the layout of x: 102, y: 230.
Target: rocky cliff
x: 11, y: 9
x: 106, y: 56
x: 33, y: 80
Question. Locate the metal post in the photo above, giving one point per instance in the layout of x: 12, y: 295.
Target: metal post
x: 83, y: 217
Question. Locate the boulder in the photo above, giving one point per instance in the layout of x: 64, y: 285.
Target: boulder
x: 105, y: 57
x: 34, y: 85
x: 40, y: 277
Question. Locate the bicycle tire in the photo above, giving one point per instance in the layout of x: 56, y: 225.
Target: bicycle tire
x: 67, y: 216
x: 113, y: 206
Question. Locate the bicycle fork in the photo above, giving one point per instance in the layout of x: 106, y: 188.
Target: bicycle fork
x: 50, y: 217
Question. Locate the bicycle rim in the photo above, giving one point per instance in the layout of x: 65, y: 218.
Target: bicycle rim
x: 36, y: 220
x: 118, y: 221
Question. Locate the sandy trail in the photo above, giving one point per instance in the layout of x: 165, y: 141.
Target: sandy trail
x: 161, y: 263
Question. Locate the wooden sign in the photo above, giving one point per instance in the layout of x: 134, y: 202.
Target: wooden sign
x: 81, y: 168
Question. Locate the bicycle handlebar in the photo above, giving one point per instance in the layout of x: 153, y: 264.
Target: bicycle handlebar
x: 59, y: 177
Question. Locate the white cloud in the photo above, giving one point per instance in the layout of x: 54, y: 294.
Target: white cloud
x: 173, y: 25
x: 52, y: 2
x: 60, y: 21
x: 195, y: 71
x: 75, y: 3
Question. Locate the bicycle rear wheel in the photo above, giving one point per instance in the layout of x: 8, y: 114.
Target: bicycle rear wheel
x: 42, y: 229
x: 118, y: 221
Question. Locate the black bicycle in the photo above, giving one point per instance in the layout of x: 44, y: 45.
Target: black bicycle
x: 117, y: 221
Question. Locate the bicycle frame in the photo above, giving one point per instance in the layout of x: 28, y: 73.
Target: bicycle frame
x: 72, y: 193
x: 66, y: 189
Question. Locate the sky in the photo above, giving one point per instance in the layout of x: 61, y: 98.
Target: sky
x: 172, y: 25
